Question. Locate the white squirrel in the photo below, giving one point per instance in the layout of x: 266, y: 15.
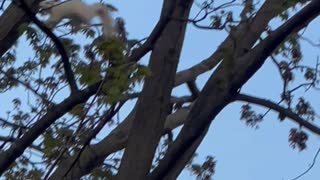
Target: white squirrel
x: 79, y: 14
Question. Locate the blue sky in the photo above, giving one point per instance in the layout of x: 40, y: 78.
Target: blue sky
x: 242, y: 153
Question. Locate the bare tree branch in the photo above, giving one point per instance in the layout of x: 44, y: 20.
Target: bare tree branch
x: 286, y: 112
x: 224, y: 84
x: 249, y: 37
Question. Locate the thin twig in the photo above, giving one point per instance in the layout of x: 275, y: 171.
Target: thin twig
x: 93, y: 133
x: 311, y: 166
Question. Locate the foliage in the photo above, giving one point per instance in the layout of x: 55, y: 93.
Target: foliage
x: 205, y: 170
x: 37, y: 84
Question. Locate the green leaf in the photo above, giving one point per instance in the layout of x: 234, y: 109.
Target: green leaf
x: 49, y: 142
x: 89, y: 75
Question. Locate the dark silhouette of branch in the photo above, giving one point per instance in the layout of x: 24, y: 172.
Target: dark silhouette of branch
x: 56, y: 111
x: 94, y: 155
x: 108, y: 117
x: 12, y: 139
x: 138, y: 53
x: 310, y: 41
x: 4, y: 122
x: 10, y: 21
x: 64, y: 56
x: 193, y: 89
x: 223, y: 86
x: 249, y: 38
x: 27, y: 86
x: 2, y: 4
x: 284, y: 111
x: 311, y: 166
x: 154, y: 102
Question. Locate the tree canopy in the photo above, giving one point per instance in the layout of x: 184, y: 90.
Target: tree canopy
x: 78, y: 105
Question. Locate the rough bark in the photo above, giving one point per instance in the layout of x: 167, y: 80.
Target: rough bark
x: 10, y: 22
x: 223, y: 85
x: 154, y: 102
x: 244, y: 37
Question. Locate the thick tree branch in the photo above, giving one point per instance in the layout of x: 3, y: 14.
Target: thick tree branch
x: 193, y: 89
x: 94, y: 155
x: 12, y: 139
x: 284, y: 111
x: 166, y: 14
x: 248, y: 5
x: 223, y: 85
x: 154, y: 102
x: 10, y: 22
x: 248, y: 33
x: 173, y: 173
